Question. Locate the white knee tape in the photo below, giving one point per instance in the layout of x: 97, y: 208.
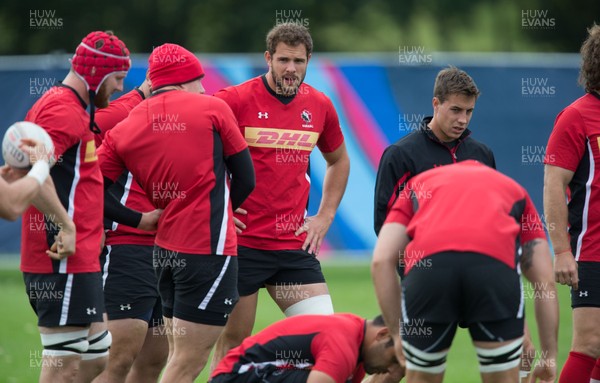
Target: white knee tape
x: 65, y: 343
x: 429, y: 362
x: 319, y: 305
x: 501, y: 358
x: 99, y: 345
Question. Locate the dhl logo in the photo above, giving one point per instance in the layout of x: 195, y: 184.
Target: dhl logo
x: 281, y: 138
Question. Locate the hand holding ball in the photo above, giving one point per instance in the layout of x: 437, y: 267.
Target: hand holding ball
x: 25, y: 143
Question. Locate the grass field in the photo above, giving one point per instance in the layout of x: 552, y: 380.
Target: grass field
x: 351, y: 291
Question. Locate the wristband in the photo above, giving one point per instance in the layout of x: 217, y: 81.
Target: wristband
x: 39, y: 171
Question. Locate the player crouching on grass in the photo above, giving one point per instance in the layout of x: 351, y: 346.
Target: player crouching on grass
x: 460, y: 244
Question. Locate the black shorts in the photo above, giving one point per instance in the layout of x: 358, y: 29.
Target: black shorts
x: 196, y: 288
x: 468, y: 290
x: 276, y: 267
x: 130, y: 284
x: 270, y: 374
x: 65, y: 299
x: 588, y: 294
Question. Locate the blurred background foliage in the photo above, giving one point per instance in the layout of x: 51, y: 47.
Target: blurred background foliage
x: 216, y: 26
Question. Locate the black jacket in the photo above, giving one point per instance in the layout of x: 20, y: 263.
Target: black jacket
x: 415, y: 153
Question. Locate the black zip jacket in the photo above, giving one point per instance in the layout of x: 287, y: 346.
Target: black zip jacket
x: 415, y: 153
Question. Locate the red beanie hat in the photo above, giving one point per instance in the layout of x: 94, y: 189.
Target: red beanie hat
x: 172, y: 64
x: 98, y: 56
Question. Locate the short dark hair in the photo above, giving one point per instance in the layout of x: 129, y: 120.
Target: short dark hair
x: 452, y: 80
x: 291, y: 34
x: 589, y: 75
x: 379, y: 322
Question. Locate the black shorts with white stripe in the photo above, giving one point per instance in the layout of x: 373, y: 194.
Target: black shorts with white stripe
x: 65, y: 299
x: 130, y: 284
x: 195, y: 287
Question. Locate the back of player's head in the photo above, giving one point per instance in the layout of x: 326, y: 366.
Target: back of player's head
x: 172, y: 64
x: 589, y: 75
x: 379, y: 322
x: 99, y: 55
x: 451, y: 81
x: 291, y: 34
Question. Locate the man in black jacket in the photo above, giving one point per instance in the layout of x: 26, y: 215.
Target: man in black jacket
x: 441, y: 140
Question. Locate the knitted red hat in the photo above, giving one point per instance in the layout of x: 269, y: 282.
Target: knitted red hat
x: 98, y: 56
x: 172, y: 64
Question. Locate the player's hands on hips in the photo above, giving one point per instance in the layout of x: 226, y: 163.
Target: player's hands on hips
x: 149, y: 221
x: 544, y: 371
x: 64, y: 243
x: 565, y: 270
x: 316, y: 227
x: 239, y: 225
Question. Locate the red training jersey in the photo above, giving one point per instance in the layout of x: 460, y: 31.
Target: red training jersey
x: 78, y: 181
x: 126, y: 189
x: 575, y: 145
x: 175, y: 144
x: 465, y: 207
x: 281, y: 137
x: 327, y: 343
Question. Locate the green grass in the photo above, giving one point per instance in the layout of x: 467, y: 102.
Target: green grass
x: 351, y: 290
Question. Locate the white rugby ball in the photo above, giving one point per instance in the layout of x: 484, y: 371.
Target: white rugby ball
x: 11, y: 152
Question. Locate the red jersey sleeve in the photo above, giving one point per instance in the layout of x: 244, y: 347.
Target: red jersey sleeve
x: 227, y: 127
x: 230, y: 96
x: 117, y: 111
x: 335, y: 356
x: 531, y: 223
x: 111, y: 164
x: 331, y: 138
x: 61, y: 125
x: 567, y: 141
x: 402, y: 210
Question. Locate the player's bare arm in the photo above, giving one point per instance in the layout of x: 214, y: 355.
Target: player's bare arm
x: 536, y: 264
x: 319, y: 377
x: 556, y: 180
x: 48, y: 203
x: 334, y: 185
x: 392, y: 241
